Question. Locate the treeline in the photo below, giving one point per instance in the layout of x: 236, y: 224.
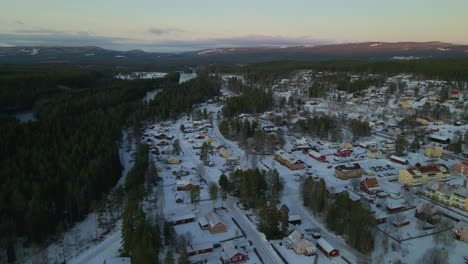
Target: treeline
x: 179, y: 98
x: 21, y: 86
x: 357, y: 85
x: 252, y: 100
x: 360, y: 128
x: 52, y: 169
x: 141, y: 239
x: 237, y: 85
x: 347, y: 218
x: 324, y: 127
x: 444, y: 69
x: 250, y: 134
x: 261, y: 190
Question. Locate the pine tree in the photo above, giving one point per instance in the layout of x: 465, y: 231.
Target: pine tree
x: 213, y: 190
x: 284, y: 219
x: 415, y: 146
x: 169, y: 257
x: 195, y: 196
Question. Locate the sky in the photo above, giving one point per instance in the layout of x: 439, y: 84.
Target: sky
x: 183, y: 25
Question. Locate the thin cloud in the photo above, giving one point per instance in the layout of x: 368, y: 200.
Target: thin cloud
x: 165, y: 31
x: 38, y: 31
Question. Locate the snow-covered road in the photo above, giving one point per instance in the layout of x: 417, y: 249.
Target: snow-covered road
x: 260, y: 243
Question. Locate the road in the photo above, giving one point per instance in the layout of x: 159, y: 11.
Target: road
x: 105, y: 250
x: 292, y: 201
x: 263, y: 247
x: 259, y: 241
x: 234, y: 148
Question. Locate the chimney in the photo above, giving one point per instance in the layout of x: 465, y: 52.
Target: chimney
x: 464, y: 183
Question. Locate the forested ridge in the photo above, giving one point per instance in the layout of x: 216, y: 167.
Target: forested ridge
x: 51, y: 169
x: 444, y: 69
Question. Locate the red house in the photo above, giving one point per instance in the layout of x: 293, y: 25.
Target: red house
x: 231, y: 255
x: 343, y: 152
x: 198, y: 249
x: 182, y: 219
x: 370, y: 186
x: 326, y: 248
x: 163, y: 143
x: 315, y: 155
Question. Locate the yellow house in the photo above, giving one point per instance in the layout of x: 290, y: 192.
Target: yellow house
x: 422, y: 121
x: 448, y: 195
x: 173, y: 160
x: 347, y: 145
x: 225, y: 154
x: 434, y: 97
x: 404, y: 104
x: 460, y: 198
x: 288, y: 160
x: 420, y: 175
x: 434, y: 151
x: 210, y: 140
x: 159, y: 169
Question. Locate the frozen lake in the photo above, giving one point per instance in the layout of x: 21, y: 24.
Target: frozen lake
x: 187, y: 76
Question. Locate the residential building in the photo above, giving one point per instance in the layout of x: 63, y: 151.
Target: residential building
x: 198, y: 249
x: 231, y: 254
x: 434, y: 151
x: 184, y: 185
x: 182, y: 219
x: 326, y: 248
x: 173, y: 160
x: 420, y: 175
x: 215, y: 225
x: 461, y: 231
x: 399, y: 160
x: 374, y: 153
x: 461, y: 168
x: 347, y: 171
x: 289, y: 160
x: 428, y: 212
x: 300, y: 245
x: 370, y: 186
x: 446, y: 194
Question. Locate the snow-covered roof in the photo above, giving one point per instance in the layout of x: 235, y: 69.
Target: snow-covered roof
x: 213, y: 219
x: 325, y: 245
x: 398, y: 158
x: 201, y: 246
x: 294, y: 218
x: 182, y: 217
x: 229, y: 250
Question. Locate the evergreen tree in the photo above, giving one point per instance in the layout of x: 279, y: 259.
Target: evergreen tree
x: 195, y: 196
x: 213, y: 190
x: 169, y: 257
x: 415, y: 146
x: 400, y: 146
x: 284, y: 219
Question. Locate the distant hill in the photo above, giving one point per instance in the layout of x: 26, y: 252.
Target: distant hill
x: 365, y: 51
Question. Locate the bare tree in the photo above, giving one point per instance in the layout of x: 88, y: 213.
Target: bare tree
x: 435, y: 256
x: 443, y: 234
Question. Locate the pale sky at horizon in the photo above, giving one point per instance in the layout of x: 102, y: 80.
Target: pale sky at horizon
x: 189, y: 25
